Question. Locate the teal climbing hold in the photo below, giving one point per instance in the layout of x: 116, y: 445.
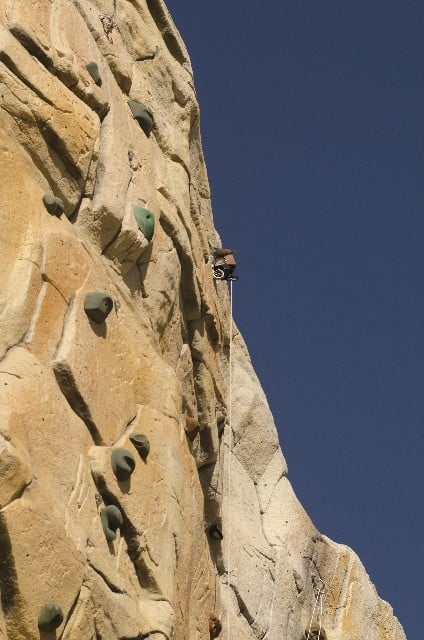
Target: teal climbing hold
x: 94, y: 72
x: 97, y: 306
x: 143, y: 116
x: 123, y: 463
x: 145, y: 220
x: 53, y: 204
x: 112, y: 520
x: 51, y: 617
x: 141, y: 443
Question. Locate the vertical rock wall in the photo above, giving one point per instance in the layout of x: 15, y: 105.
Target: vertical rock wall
x: 98, y: 109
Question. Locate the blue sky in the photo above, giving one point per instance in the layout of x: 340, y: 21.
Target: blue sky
x: 312, y: 119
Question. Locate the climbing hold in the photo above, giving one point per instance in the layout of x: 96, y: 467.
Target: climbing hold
x: 97, y: 306
x: 112, y: 520
x: 53, y: 205
x: 316, y: 632
x: 51, y: 617
x: 215, y: 532
x: 123, y: 463
x: 145, y: 220
x: 94, y: 72
x: 143, y: 116
x: 215, y: 626
x: 141, y: 443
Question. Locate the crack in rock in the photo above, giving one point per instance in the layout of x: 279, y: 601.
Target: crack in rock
x: 69, y: 388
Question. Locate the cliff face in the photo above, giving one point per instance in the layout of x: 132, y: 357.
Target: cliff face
x: 98, y: 110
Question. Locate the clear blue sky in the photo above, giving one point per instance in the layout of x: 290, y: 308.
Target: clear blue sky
x: 312, y: 120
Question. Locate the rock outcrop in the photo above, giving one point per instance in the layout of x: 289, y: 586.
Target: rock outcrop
x: 104, y: 193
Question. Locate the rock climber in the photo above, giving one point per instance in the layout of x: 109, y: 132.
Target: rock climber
x: 223, y: 263
x: 215, y: 626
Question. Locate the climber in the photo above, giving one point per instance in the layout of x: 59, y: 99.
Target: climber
x: 223, y: 263
x: 215, y: 626
x: 108, y: 25
x: 315, y: 632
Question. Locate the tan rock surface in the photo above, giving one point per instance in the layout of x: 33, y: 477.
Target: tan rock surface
x: 73, y: 390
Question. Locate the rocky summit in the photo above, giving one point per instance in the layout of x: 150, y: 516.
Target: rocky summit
x: 143, y: 491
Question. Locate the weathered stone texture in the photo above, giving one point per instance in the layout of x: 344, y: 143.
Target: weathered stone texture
x: 74, y: 388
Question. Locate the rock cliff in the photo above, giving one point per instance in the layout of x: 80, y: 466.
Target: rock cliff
x: 137, y: 498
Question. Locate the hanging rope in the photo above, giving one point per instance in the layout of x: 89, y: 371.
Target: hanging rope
x: 229, y: 470
x: 320, y: 593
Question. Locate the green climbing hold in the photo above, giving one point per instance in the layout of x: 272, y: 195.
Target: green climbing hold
x: 94, y: 72
x: 112, y: 520
x: 141, y: 443
x: 145, y: 220
x: 53, y: 204
x: 123, y: 463
x: 143, y: 116
x: 51, y: 617
x: 97, y: 306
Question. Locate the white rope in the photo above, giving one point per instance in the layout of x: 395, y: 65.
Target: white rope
x: 230, y: 446
x: 318, y: 598
x: 313, y: 613
x: 320, y: 617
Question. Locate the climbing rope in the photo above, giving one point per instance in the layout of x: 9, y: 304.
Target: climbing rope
x: 319, y: 595
x: 230, y: 446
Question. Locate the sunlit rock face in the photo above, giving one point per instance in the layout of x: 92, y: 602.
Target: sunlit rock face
x: 114, y: 335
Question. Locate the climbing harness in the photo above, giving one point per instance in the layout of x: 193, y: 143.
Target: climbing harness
x: 222, y: 272
x: 223, y: 264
